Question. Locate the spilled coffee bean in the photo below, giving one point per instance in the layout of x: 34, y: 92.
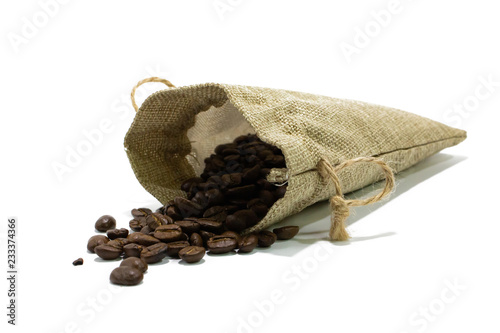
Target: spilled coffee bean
x: 78, y: 262
x: 126, y: 276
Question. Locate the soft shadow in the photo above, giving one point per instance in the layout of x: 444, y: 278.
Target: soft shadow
x: 314, y: 221
x: 183, y: 263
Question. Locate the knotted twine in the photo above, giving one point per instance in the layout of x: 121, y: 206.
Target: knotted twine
x: 338, y: 204
x: 149, y: 79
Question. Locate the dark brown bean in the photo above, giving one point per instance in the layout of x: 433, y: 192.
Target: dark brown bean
x: 192, y: 254
x: 173, y: 248
x: 267, y: 197
x: 206, y: 235
x: 241, y: 220
x: 189, y: 183
x: 173, y: 212
x: 285, y: 233
x: 126, y: 276
x: 96, y: 241
x: 142, y: 239
x: 248, y: 243
x: 280, y: 192
x: 154, y: 253
x: 136, y: 263
x: 242, y: 192
x: 78, y: 262
x: 266, y: 238
x: 141, y: 212
x: 133, y: 250
x: 209, y: 225
x: 168, y: 233
x: 107, y: 252
x: 117, y: 233
x: 105, y: 222
x: 188, y: 208
x: 195, y: 239
x: 233, y: 234
x: 188, y: 226
x: 221, y: 244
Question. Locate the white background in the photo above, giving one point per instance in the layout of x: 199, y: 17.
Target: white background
x: 76, y: 69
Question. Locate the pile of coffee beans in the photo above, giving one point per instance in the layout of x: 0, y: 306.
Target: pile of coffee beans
x: 231, y: 195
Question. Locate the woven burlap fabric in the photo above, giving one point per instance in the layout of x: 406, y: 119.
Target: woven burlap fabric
x: 175, y: 129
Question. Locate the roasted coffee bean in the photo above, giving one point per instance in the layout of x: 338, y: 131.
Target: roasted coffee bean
x: 220, y: 148
x: 141, y: 212
x: 116, y: 243
x: 117, y: 233
x: 231, y: 179
x: 153, y: 221
x: 209, y: 225
x: 154, y: 253
x: 107, y: 252
x: 265, y: 185
x: 142, y: 239
x: 280, y: 192
x: 173, y: 212
x: 96, y: 241
x: 189, y: 183
x: 168, y: 233
x: 188, y: 208
x: 126, y: 276
x: 206, y: 235
x: 173, y: 248
x: 221, y: 244
x: 248, y: 243
x: 136, y: 263
x: 233, y: 234
x: 196, y: 240
x: 146, y: 230
x: 267, y: 197
x: 230, y: 158
x: 135, y: 225
x: 201, y: 199
x: 214, y: 197
x: 251, y: 175
x: 241, y: 220
x: 217, y: 213
x: 242, y: 192
x: 230, y: 151
x: 188, y: 226
x: 266, y: 238
x: 105, y: 222
x: 192, y: 254
x: 285, y: 233
x: 133, y: 250
x: 78, y: 262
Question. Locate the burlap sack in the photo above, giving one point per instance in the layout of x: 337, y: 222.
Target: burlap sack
x: 175, y: 129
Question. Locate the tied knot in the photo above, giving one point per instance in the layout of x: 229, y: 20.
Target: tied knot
x: 338, y: 204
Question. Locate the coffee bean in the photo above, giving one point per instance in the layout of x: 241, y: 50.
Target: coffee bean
x: 251, y: 175
x: 173, y: 248
x: 265, y: 185
x: 192, y: 254
x: 126, y: 276
x: 209, y: 225
x: 188, y: 208
x: 107, y: 252
x: 78, y: 262
x: 195, y: 239
x: 267, y: 197
x: 173, y: 212
x: 117, y: 233
x: 241, y: 220
x: 220, y: 148
x: 188, y: 226
x: 259, y: 208
x: 116, y: 243
x: 135, y: 225
x: 95, y: 241
x: 214, y: 197
x: 146, y: 230
x: 231, y: 179
x: 221, y: 244
x: 234, y: 235
x: 168, y: 233
x: 285, y: 233
x: 242, y: 192
x: 154, y: 253
x: 105, y: 222
x: 136, y: 263
x: 154, y: 220
x: 140, y: 212
x: 248, y: 243
x: 133, y: 250
x: 142, y: 239
x: 206, y: 235
x: 189, y: 183
x: 266, y: 238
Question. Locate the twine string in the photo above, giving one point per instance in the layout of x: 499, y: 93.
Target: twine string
x: 338, y: 204
x: 150, y: 79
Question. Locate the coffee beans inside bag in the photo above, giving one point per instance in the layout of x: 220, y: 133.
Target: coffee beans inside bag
x: 301, y: 148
